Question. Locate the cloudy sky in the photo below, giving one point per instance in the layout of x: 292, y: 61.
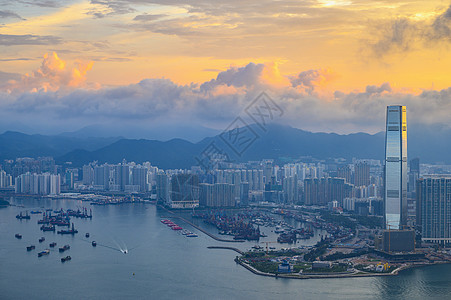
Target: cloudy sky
x: 330, y: 65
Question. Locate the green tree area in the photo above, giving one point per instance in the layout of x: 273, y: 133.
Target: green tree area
x: 302, y: 266
x: 338, y: 219
x: 266, y: 266
x: 370, y: 221
x: 319, y: 249
x: 340, y: 255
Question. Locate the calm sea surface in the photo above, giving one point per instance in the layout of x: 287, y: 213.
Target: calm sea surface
x: 163, y: 264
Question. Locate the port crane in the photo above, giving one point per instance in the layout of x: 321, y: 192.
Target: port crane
x: 267, y: 245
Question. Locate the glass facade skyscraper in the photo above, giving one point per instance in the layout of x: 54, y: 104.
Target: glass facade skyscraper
x: 395, y: 177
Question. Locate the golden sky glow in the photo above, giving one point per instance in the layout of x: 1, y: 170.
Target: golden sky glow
x: 182, y: 40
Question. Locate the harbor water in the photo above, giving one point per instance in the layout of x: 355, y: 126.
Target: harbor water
x: 138, y: 257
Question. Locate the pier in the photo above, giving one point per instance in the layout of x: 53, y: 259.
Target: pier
x: 227, y: 248
x: 202, y: 230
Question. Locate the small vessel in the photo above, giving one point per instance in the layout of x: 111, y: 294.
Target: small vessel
x: 94, y: 243
x: 18, y: 236
x: 52, y: 245
x: 41, y: 239
x: 64, y: 248
x: 192, y: 235
x: 64, y: 259
x: 35, y: 212
x: 29, y: 248
x: 48, y: 228
x: 87, y: 234
x: 45, y: 252
x: 23, y: 217
x: 70, y: 231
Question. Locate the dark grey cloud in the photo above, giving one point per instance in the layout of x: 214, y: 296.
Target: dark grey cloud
x: 28, y: 39
x: 248, y: 75
x: 114, y: 8
x: 405, y: 34
x: 9, y: 14
x: 48, y: 3
x: 148, y: 17
x: 17, y: 59
x: 219, y: 101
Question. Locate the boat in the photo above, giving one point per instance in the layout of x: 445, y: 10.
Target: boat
x: 70, y: 231
x: 64, y: 248
x: 32, y: 247
x: 22, y: 217
x: 87, y: 234
x: 18, y: 236
x: 94, y: 243
x: 192, y: 235
x: 64, y: 259
x: 48, y: 228
x: 41, y: 239
x: 45, y: 252
x: 52, y: 245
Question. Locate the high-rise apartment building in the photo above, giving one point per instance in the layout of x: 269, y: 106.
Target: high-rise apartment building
x: 362, y: 174
x: 434, y: 208
x: 395, y: 177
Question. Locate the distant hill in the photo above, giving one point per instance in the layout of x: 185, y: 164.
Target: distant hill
x: 158, y: 132
x: 431, y: 144
x: 16, y: 144
x: 277, y: 142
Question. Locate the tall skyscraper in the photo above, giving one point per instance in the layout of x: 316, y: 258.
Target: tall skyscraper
x: 395, y: 177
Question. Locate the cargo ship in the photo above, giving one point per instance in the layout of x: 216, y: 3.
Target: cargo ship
x: 20, y: 216
x: 48, y: 228
x: 69, y: 231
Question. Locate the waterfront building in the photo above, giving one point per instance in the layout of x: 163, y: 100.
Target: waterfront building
x: 38, y: 184
x: 139, y: 178
x: 88, y: 175
x: 395, y: 177
x: 395, y: 241
x: 162, y: 188
x: 184, y: 191
x: 434, y: 208
x: 217, y: 195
